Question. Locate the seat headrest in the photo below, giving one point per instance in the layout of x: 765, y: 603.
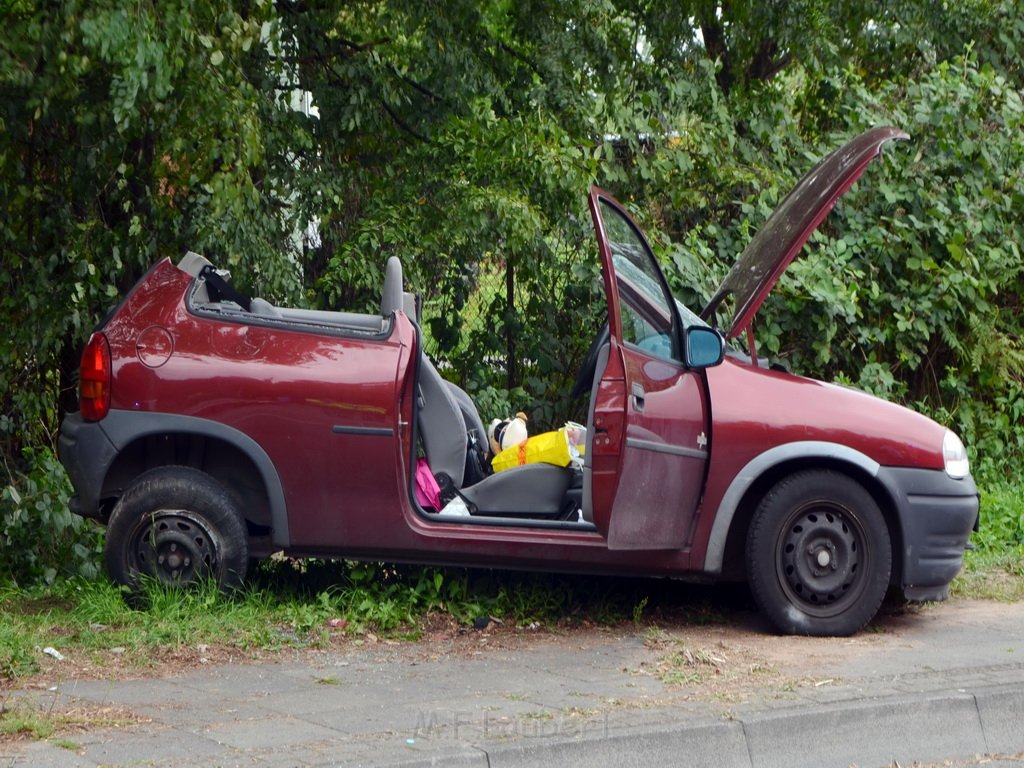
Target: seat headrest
x: 391, y: 300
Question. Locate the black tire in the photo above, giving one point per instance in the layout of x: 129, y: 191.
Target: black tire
x: 177, y: 525
x: 819, y: 555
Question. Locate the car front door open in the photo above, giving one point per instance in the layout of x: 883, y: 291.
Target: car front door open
x: 649, y: 412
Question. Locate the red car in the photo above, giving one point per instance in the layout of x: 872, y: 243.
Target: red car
x: 214, y: 429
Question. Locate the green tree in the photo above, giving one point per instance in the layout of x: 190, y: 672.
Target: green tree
x: 128, y: 132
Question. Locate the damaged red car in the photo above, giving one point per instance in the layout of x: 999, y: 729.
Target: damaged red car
x: 216, y: 429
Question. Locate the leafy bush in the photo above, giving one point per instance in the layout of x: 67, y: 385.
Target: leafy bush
x: 1002, y: 517
x: 911, y: 288
x: 39, y: 537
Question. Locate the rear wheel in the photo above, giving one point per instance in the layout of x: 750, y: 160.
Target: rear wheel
x: 819, y: 555
x: 180, y: 526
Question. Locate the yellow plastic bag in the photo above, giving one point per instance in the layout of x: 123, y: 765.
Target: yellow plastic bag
x: 556, y: 448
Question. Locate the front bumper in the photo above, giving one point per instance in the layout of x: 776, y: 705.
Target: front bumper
x: 86, y: 453
x: 936, y: 516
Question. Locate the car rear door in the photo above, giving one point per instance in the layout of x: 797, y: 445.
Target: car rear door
x: 649, y: 413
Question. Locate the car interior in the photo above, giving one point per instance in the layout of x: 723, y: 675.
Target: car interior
x: 448, y: 426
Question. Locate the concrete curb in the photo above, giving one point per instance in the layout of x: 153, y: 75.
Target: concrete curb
x: 899, y: 729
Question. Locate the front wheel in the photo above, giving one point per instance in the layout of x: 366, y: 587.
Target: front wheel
x: 180, y: 526
x: 819, y: 555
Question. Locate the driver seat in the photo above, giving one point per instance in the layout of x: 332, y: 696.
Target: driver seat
x: 447, y: 421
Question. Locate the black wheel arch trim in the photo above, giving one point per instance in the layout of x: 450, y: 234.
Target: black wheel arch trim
x: 952, y: 503
x: 124, y: 427
x: 87, y: 454
x: 755, y: 469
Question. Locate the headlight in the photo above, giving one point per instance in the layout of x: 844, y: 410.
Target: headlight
x: 955, y: 456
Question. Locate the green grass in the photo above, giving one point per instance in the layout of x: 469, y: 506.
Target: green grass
x: 285, y: 605
x: 1002, y: 517
x: 27, y: 718
x: 991, y: 575
x: 995, y: 569
x: 92, y: 620
x: 21, y: 720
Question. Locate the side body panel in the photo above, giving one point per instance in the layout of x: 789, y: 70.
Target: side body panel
x: 764, y: 419
x: 324, y: 406
x: 663, y: 457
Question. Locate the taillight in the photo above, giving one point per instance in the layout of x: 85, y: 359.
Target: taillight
x: 94, y: 379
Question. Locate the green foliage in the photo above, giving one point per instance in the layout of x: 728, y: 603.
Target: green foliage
x: 129, y: 133
x: 913, y: 288
x: 1002, y: 514
x: 40, y: 537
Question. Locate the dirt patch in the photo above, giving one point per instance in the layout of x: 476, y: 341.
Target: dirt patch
x: 728, y: 664
x: 28, y: 716
x: 127, y: 664
x: 740, y: 635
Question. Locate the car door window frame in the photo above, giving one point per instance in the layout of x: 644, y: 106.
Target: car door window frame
x: 632, y: 293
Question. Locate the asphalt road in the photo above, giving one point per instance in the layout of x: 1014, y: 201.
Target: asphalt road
x: 944, y: 683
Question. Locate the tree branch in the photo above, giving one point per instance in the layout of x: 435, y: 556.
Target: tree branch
x: 402, y: 124
x: 419, y: 87
x: 765, y: 64
x: 521, y: 57
x: 714, y: 44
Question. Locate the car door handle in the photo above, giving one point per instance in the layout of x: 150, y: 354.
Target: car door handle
x: 638, y: 396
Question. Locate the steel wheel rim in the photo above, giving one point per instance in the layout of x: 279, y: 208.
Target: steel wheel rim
x: 822, y: 560
x: 174, y: 545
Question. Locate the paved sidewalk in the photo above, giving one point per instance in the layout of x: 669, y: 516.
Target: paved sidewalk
x: 945, y: 682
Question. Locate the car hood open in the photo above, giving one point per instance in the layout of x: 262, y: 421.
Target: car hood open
x: 780, y: 239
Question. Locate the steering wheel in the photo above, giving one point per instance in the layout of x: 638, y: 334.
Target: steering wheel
x: 585, y: 376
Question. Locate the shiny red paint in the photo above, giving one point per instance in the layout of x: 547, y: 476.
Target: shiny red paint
x: 757, y: 409
x: 287, y: 390
x: 788, y: 408
x: 349, y: 495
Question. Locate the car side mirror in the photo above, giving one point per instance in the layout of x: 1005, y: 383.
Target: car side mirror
x: 705, y: 347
